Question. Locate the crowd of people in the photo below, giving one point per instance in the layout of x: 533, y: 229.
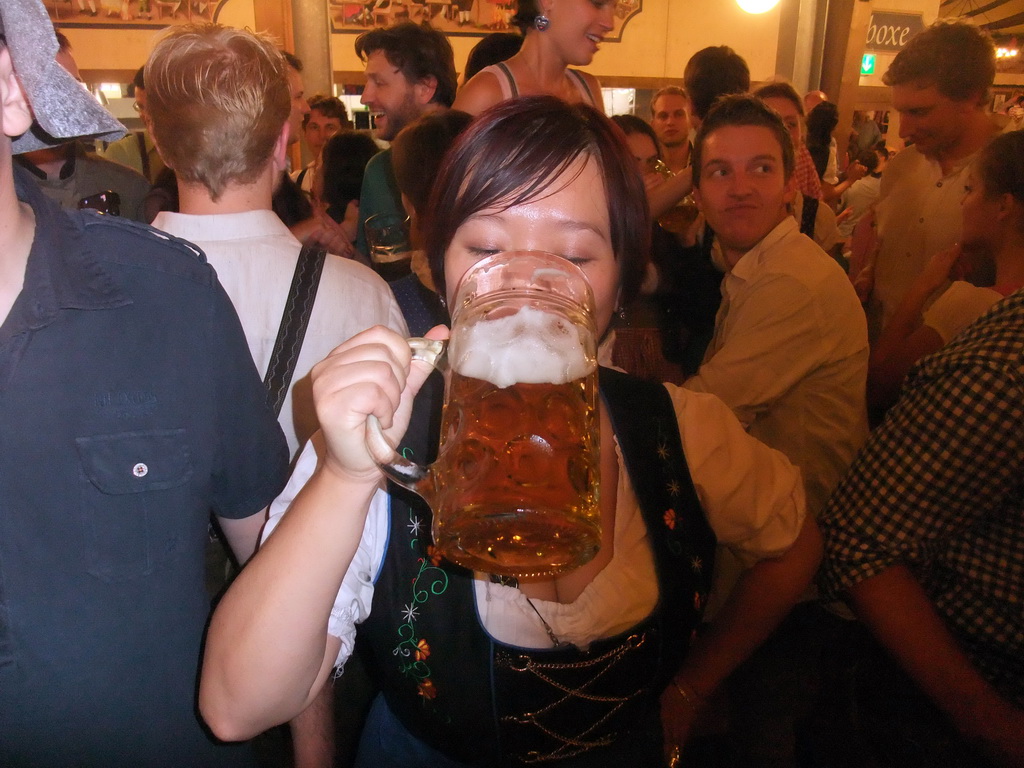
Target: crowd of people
x: 812, y: 504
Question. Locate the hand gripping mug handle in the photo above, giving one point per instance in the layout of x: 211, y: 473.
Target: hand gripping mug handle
x: 404, y: 472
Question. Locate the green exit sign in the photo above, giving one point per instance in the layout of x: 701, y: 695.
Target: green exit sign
x: 867, y: 64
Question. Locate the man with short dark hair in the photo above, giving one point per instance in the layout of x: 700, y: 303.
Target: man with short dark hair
x: 940, y: 83
x: 789, y: 353
x: 130, y: 410
x: 327, y: 116
x: 712, y: 72
x: 789, y: 357
x: 410, y: 71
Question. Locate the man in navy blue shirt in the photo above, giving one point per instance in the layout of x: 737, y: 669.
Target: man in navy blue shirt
x: 130, y: 409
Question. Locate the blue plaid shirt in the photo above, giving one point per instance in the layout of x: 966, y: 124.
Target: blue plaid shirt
x: 939, y: 487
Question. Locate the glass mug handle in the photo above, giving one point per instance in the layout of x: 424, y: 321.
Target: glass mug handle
x: 404, y: 472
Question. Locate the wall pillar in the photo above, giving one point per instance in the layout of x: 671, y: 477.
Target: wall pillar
x: 846, y: 35
x: 312, y: 35
x: 275, y: 18
x: 798, y: 58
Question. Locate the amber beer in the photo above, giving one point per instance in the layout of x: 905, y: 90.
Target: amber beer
x: 515, y: 487
x: 516, y: 479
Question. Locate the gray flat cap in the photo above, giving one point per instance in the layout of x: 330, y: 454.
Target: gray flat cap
x: 63, y: 109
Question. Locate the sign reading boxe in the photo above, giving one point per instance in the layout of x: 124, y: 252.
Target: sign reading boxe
x: 889, y: 31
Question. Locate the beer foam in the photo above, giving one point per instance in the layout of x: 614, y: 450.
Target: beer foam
x: 529, y: 347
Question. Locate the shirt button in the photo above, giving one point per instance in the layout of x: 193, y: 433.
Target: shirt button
x: 938, y: 184
x: 140, y: 470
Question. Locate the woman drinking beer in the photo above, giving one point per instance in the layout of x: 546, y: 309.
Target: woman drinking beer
x: 598, y: 666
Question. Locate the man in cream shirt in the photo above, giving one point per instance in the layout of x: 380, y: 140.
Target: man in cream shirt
x: 789, y: 357
x: 226, y: 139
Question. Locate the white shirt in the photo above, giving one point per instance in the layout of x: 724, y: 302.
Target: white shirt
x: 918, y: 214
x: 859, y: 196
x: 254, y: 255
x: 789, y: 356
x: 831, y: 175
x: 752, y: 496
x: 307, y: 179
x: 959, y: 306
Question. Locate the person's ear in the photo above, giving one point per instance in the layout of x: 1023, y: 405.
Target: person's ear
x: 425, y: 89
x: 280, y: 155
x: 16, y: 115
x: 1011, y: 210
x: 789, y: 194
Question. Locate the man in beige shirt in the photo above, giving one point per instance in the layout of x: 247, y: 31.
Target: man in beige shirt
x: 940, y: 83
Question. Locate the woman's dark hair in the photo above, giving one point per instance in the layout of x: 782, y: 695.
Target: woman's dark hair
x: 526, y: 12
x: 492, y: 49
x: 631, y: 124
x: 290, y: 203
x: 821, y: 121
x: 418, y: 149
x: 513, y: 152
x: 342, y: 162
x: 869, y: 158
x: 1001, y: 166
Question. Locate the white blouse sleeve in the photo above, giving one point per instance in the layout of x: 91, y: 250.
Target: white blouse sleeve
x: 752, y: 495
x: 352, y: 605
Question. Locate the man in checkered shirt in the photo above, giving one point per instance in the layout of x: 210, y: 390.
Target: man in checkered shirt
x: 925, y: 537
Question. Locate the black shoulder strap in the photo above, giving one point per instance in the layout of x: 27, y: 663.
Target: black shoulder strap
x: 809, y: 215
x: 647, y: 429
x: 511, y: 80
x: 297, y: 309
x: 584, y: 86
x: 140, y: 140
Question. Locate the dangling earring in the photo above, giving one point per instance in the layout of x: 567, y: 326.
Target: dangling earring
x: 541, y: 22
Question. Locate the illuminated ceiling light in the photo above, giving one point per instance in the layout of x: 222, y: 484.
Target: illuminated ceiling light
x: 757, y: 6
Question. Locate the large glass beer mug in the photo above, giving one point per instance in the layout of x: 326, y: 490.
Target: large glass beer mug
x: 514, y: 490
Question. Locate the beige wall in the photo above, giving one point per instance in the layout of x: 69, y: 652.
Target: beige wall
x: 929, y: 10
x: 127, y: 49
x: 655, y: 43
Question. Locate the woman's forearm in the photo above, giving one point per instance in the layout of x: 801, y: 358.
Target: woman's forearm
x: 761, y: 599
x: 268, y: 651
x: 668, y: 195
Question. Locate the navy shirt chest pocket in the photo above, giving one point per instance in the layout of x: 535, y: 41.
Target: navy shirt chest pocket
x: 135, y: 500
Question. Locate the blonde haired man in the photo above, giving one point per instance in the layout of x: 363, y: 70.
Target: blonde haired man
x: 219, y: 102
